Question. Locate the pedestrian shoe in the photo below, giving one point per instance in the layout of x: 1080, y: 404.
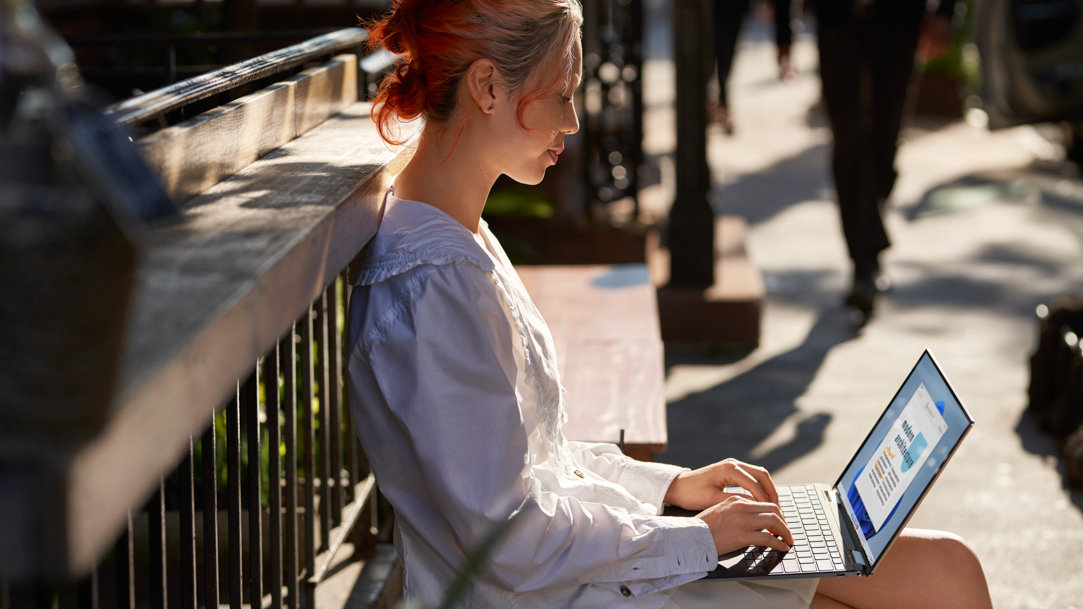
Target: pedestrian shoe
x: 863, y: 294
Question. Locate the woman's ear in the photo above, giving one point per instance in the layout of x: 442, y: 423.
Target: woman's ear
x: 482, y: 83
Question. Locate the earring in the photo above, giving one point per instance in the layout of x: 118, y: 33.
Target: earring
x: 490, y: 108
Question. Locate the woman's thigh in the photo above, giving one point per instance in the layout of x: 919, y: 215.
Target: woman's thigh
x: 922, y: 569
x: 712, y: 594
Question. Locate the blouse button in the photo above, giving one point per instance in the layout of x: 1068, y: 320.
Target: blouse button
x: 625, y: 591
x: 580, y: 474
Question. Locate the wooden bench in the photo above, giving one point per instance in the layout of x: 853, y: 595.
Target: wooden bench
x: 604, y: 320
x: 278, y: 191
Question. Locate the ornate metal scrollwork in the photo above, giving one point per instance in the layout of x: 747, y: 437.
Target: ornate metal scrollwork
x: 612, y: 108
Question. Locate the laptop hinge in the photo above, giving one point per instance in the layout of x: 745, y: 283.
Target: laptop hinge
x: 858, y: 557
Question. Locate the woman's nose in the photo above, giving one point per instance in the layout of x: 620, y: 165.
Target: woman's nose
x: 571, y: 121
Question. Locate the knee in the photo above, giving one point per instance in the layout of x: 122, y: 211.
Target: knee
x: 952, y: 553
x: 954, y: 547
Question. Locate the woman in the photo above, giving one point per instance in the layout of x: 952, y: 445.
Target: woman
x: 453, y: 379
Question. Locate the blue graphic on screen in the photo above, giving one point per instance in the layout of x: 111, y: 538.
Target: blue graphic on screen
x: 902, y: 455
x: 913, y: 453
x: 910, y: 458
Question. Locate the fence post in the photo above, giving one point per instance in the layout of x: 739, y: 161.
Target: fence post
x: 691, y: 220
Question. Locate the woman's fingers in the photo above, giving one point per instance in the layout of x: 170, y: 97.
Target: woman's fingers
x: 738, y: 521
x: 755, y: 480
x: 773, y: 526
x: 768, y: 540
x: 706, y: 486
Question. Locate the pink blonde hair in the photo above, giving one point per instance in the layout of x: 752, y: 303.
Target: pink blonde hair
x: 439, y: 39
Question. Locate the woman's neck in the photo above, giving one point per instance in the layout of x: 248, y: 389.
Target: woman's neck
x: 447, y: 172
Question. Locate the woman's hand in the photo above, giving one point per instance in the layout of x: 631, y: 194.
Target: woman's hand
x: 700, y: 489
x: 736, y: 519
x: 738, y: 522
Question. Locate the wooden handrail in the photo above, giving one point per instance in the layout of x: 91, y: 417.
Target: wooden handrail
x: 156, y: 103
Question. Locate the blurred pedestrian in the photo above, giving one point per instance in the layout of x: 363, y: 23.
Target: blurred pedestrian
x: 867, y: 52
x: 782, y: 16
x: 729, y: 16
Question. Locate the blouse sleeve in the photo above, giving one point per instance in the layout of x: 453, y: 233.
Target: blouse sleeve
x: 646, y: 481
x: 445, y: 368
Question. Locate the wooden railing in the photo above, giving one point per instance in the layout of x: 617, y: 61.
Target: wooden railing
x: 226, y: 470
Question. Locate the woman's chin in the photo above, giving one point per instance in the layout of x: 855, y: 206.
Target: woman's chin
x: 528, y: 179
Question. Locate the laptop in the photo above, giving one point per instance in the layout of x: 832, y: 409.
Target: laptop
x: 847, y: 528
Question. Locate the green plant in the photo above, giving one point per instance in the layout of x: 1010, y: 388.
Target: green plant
x: 519, y: 202
x: 959, y: 62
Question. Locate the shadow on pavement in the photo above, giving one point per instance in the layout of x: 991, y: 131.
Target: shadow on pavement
x: 733, y: 418
x: 804, y: 177
x: 1034, y: 441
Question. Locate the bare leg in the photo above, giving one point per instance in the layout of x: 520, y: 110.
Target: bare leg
x: 922, y: 569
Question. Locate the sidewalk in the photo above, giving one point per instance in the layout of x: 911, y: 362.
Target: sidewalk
x: 986, y: 225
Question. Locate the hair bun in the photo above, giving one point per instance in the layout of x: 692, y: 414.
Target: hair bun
x: 398, y: 32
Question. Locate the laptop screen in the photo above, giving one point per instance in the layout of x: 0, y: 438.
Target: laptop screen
x: 902, y: 456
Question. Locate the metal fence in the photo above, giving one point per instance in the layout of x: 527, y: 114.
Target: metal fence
x: 263, y: 501
x: 258, y: 508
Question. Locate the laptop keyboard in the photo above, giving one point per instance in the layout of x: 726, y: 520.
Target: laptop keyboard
x: 814, y: 547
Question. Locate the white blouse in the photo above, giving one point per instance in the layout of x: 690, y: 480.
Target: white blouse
x: 456, y: 397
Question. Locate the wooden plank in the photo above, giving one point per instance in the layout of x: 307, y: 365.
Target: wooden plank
x: 214, y: 293
x: 615, y: 385
x: 323, y: 91
x: 196, y: 154
x: 604, y: 320
x: 595, y: 301
x: 145, y: 107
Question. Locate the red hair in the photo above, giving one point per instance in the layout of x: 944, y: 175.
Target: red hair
x: 439, y: 40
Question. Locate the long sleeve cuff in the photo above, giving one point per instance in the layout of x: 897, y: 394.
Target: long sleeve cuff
x: 649, y: 481
x: 695, y: 558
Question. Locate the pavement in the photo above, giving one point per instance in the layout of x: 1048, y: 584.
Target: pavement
x: 986, y: 226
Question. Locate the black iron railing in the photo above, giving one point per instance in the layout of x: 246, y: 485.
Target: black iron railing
x: 264, y: 499
x: 288, y: 473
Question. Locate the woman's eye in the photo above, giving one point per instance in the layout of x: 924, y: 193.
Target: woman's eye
x: 565, y: 99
